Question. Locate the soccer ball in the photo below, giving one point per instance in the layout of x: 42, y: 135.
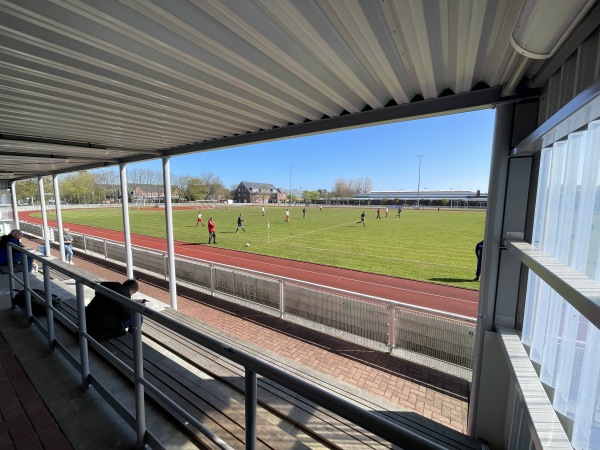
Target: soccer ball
x: 247, y: 244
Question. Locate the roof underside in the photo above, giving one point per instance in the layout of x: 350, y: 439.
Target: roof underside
x: 87, y: 83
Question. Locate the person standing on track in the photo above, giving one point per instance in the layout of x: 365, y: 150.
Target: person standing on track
x: 378, y: 213
x: 199, y: 219
x: 212, y: 236
x: 287, y: 215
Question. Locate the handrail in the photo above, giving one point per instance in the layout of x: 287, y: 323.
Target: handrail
x: 397, y: 434
x: 548, y: 431
x: 582, y: 292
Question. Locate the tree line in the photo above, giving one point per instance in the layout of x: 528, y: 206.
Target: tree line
x: 343, y: 188
x: 104, y: 185
x: 97, y: 186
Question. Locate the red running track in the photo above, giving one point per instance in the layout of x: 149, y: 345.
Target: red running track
x: 445, y: 298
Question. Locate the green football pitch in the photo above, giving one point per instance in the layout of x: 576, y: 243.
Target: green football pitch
x: 421, y: 244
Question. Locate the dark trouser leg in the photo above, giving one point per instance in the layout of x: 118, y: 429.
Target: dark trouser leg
x: 478, y: 271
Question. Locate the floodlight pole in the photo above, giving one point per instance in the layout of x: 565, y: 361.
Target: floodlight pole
x: 419, y: 183
x: 290, y: 202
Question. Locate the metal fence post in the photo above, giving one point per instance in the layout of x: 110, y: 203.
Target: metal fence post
x: 11, y: 271
x: 281, y: 298
x: 49, y: 312
x: 166, y: 266
x: 138, y: 375
x: 212, y: 279
x: 85, y: 244
x: 250, y: 406
x: 392, y: 328
x: 105, y: 250
x: 83, y: 343
x: 26, y: 286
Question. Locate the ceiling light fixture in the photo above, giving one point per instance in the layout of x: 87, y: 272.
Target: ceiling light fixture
x: 541, y: 28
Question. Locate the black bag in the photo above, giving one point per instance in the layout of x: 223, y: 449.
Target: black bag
x: 37, y: 306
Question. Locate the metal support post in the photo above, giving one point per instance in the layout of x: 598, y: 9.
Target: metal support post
x: 44, y: 217
x: 138, y: 374
x: 13, y: 197
x: 26, y: 286
x: 126, y: 229
x: 83, y: 343
x: 169, y: 229
x: 11, y: 270
x: 250, y: 404
x: 61, y: 241
x: 49, y: 312
x: 501, y: 151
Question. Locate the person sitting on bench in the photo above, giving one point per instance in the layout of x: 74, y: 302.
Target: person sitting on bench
x: 14, y: 237
x: 106, y: 318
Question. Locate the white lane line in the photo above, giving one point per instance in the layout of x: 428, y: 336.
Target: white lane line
x: 386, y: 286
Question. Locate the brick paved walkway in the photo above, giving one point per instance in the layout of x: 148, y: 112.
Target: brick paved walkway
x: 25, y: 422
x: 435, y: 395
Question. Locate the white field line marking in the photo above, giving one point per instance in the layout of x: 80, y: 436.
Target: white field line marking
x: 391, y: 258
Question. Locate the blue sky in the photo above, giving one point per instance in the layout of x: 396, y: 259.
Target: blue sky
x: 456, y: 153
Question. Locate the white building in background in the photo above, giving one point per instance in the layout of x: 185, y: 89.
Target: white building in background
x: 425, y: 197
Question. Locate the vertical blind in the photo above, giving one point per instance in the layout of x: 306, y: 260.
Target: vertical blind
x: 567, y: 227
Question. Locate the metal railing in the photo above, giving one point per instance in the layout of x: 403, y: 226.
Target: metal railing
x: 404, y: 437
x: 433, y: 338
x: 533, y: 423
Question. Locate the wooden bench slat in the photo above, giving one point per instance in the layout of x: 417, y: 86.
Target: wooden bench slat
x: 308, y: 424
x: 224, y: 415
x: 448, y: 437
x: 331, y: 427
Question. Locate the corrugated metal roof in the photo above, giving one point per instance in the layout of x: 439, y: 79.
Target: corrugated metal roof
x: 87, y: 83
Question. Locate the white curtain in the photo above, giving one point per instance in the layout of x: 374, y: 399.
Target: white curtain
x: 567, y: 227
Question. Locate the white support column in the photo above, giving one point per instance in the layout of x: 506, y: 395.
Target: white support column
x: 170, y: 240
x: 126, y: 228
x: 61, y: 239
x: 44, y: 216
x: 501, y: 152
x: 13, y: 199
